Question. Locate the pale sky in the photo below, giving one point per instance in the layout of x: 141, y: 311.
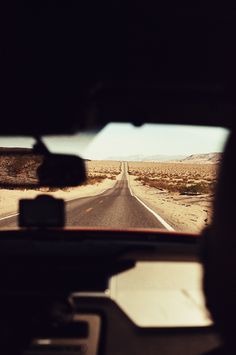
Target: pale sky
x: 124, y: 140
x: 74, y: 144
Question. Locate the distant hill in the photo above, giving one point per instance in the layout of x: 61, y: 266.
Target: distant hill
x: 208, y: 158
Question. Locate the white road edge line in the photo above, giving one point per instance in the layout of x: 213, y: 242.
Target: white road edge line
x: 159, y: 218
x: 71, y: 199
x: 127, y: 177
x: 130, y: 190
x: 10, y: 216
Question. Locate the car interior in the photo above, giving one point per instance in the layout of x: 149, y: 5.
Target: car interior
x: 117, y: 144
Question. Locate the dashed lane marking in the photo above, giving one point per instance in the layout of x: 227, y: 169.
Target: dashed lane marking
x: 89, y: 209
x: 77, y: 198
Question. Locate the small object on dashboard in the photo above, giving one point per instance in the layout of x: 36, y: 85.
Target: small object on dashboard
x: 42, y: 212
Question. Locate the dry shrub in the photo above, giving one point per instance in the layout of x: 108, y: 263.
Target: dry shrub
x: 185, y: 179
x: 98, y: 170
x: 91, y: 180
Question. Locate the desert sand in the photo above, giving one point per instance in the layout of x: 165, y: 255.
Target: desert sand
x: 9, y: 199
x: 183, y: 213
x: 99, y: 179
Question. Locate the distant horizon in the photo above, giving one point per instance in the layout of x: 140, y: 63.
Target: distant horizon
x: 120, y: 141
x: 135, y: 158
x: 124, y: 140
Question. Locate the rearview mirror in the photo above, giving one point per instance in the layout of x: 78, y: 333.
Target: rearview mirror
x: 23, y: 168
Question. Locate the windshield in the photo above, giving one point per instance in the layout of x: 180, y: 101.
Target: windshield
x: 155, y: 176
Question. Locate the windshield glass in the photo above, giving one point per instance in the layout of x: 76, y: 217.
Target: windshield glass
x: 155, y: 176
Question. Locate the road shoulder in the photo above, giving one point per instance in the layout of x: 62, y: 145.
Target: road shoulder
x: 184, y: 213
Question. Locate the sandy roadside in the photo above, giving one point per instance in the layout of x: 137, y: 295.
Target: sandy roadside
x: 183, y: 213
x: 9, y: 199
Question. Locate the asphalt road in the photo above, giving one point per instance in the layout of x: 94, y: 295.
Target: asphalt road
x: 114, y: 208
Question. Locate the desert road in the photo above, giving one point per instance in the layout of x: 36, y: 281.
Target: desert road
x: 116, y: 207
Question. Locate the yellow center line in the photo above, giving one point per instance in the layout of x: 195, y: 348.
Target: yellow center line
x: 89, y: 209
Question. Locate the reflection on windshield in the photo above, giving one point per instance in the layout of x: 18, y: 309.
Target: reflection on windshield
x: 169, y: 292
x: 166, y: 179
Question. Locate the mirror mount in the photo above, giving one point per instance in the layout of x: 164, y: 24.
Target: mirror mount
x: 39, y: 147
